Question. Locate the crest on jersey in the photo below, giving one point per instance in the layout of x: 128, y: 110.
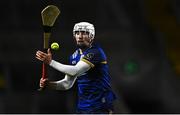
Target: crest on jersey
x: 89, y: 56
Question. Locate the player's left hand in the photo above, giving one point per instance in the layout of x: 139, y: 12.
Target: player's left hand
x: 45, y: 57
x: 43, y: 82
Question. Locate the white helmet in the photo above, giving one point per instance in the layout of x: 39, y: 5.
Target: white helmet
x: 85, y: 26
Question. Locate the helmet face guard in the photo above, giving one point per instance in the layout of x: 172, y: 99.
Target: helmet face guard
x: 86, y: 27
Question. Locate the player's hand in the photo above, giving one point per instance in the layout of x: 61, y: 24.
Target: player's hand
x: 43, y: 82
x: 45, y: 57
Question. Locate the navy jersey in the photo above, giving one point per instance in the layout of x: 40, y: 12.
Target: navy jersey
x: 94, y: 90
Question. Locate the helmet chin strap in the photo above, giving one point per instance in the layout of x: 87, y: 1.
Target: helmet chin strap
x: 91, y: 41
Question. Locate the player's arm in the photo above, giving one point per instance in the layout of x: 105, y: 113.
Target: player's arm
x: 71, y: 70
x: 63, y: 84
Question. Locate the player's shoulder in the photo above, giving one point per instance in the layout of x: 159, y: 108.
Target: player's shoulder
x: 95, y: 52
x: 96, y: 49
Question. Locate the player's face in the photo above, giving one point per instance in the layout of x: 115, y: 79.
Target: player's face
x: 82, y: 39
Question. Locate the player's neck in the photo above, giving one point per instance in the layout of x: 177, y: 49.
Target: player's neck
x: 83, y: 48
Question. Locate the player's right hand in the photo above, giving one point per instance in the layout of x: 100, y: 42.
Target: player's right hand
x: 43, y: 82
x: 45, y: 57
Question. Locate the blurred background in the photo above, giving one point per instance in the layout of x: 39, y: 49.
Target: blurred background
x: 140, y: 37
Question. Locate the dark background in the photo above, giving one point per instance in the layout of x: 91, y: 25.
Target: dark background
x: 140, y: 38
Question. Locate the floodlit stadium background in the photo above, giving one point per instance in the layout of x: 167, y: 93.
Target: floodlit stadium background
x: 140, y: 37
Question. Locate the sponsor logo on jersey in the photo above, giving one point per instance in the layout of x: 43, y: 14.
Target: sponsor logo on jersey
x: 74, y: 62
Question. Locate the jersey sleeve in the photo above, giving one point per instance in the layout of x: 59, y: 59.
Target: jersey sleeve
x: 70, y: 60
x: 92, y: 57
